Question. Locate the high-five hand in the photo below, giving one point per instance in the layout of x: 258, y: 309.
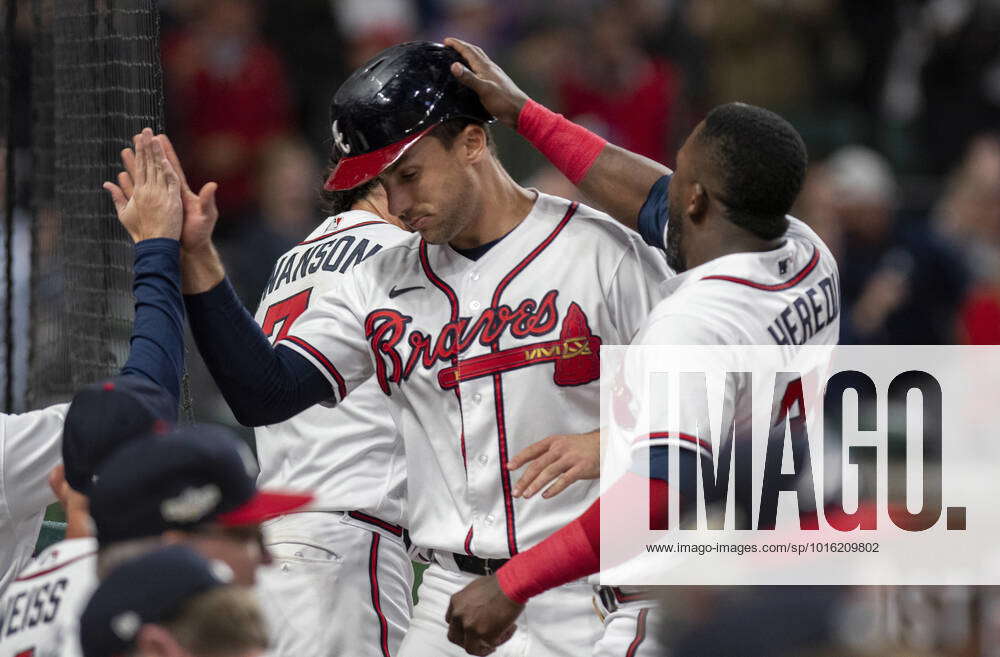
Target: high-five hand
x: 200, y: 210
x: 201, y: 266
x: 147, y: 198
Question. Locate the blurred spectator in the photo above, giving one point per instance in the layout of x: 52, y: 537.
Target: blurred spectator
x: 772, y: 621
x: 969, y: 212
x: 817, y: 207
x: 314, y: 55
x: 369, y: 26
x: 536, y: 61
x: 765, y: 52
x: 829, y: 621
x: 961, y: 77
x: 287, y: 181
x: 477, y: 21
x: 227, y: 96
x: 900, y: 284
x: 617, y: 90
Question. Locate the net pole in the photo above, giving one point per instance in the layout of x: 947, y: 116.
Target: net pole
x: 8, y: 319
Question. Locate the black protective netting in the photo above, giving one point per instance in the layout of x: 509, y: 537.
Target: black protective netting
x: 96, y: 81
x: 6, y: 201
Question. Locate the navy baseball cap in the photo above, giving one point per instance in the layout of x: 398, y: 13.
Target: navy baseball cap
x: 148, y: 589
x: 198, y: 474
x: 103, y: 416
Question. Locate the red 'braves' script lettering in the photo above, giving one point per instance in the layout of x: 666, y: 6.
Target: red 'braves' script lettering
x: 385, y: 330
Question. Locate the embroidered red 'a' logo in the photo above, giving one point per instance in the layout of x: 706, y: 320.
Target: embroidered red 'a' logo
x: 580, y: 361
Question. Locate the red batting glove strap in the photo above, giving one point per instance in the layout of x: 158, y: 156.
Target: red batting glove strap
x: 570, y: 148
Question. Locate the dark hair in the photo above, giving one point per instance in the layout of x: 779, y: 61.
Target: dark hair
x: 448, y: 131
x: 338, y: 202
x: 761, y: 161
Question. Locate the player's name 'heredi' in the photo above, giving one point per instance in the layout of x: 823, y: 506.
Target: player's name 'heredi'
x: 807, y: 314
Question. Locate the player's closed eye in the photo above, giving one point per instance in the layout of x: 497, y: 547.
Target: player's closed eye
x: 408, y: 175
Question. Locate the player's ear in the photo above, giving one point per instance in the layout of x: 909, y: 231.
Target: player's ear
x: 697, y: 202
x: 475, y: 143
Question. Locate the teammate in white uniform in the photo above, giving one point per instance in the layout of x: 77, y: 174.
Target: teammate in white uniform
x: 29, y: 449
x: 40, y: 611
x: 483, y: 331
x: 345, y: 558
x: 751, y: 276
x: 43, y: 604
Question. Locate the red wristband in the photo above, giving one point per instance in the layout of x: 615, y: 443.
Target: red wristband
x: 569, y: 147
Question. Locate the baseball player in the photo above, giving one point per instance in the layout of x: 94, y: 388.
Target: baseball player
x: 172, y: 601
x: 345, y: 558
x: 483, y: 330
x: 39, y: 611
x: 30, y: 442
x: 750, y: 275
x: 193, y: 486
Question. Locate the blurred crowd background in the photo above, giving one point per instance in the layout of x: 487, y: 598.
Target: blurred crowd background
x: 898, y: 101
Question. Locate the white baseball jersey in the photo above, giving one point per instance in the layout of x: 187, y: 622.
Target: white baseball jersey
x: 30, y: 446
x: 40, y: 612
x: 481, y: 358
x: 789, y: 296
x: 351, y: 456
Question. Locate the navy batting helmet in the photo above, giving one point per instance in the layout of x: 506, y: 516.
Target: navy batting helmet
x: 385, y: 106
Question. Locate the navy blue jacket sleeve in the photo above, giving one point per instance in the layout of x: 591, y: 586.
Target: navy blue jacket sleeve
x: 157, y: 343
x: 262, y: 384
x: 653, y: 215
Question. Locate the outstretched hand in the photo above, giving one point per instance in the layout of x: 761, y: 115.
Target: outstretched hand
x: 147, y: 196
x: 497, y: 92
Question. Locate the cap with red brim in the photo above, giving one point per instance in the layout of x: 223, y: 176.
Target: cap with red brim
x: 264, y: 506
x: 353, y: 171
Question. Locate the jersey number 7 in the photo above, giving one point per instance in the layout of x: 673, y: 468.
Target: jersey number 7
x: 285, y: 312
